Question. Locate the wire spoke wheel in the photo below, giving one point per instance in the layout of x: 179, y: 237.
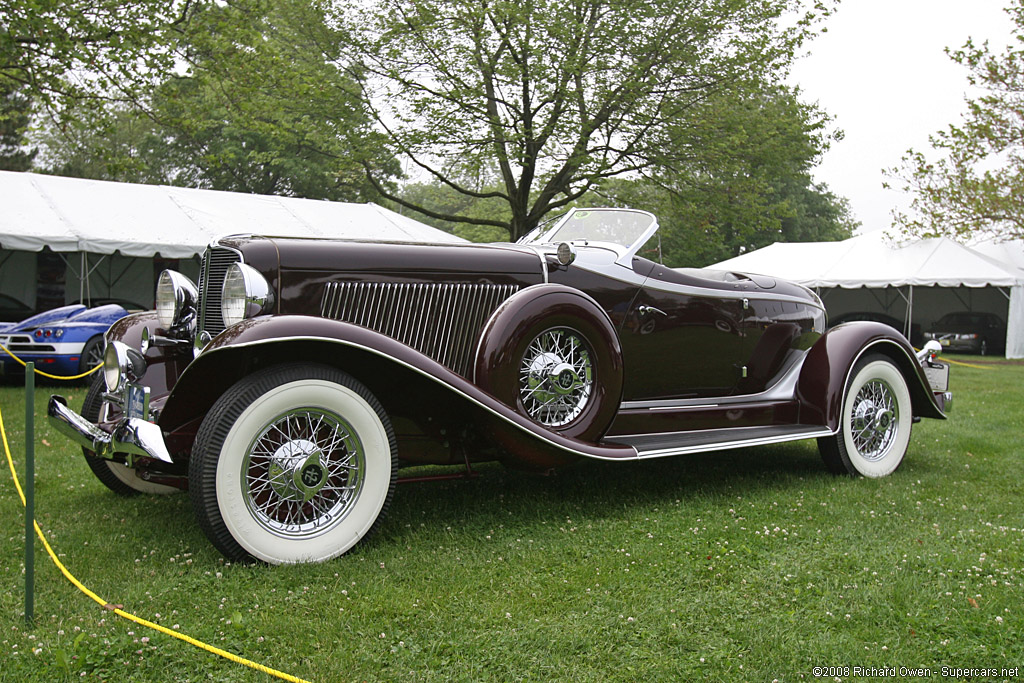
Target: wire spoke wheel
x: 303, y: 472
x: 875, y: 422
x: 875, y: 418
x: 556, y: 377
x: 295, y: 463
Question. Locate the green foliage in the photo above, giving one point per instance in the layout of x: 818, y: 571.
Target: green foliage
x: 558, y: 95
x: 260, y: 108
x: 975, y: 185
x: 66, y: 50
x: 743, y: 182
x: 441, y: 199
x: 15, y: 109
x: 263, y: 108
x: 121, y: 145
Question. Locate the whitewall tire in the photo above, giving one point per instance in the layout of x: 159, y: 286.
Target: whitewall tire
x: 875, y: 424
x: 293, y: 464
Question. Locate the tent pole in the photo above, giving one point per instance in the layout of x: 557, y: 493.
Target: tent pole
x: 908, y: 323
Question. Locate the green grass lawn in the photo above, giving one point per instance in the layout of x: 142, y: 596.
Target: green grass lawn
x: 748, y: 565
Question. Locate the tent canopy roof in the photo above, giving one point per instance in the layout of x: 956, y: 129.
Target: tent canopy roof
x: 870, y: 261
x: 72, y: 214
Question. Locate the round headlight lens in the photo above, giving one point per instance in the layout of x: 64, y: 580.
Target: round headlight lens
x: 112, y: 368
x: 166, y: 301
x: 177, y: 301
x: 232, y: 306
x: 245, y: 294
x: 566, y: 253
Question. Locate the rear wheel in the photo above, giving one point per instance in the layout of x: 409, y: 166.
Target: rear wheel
x: 876, y: 419
x: 293, y: 464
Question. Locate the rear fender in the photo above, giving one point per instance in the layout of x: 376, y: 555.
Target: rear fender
x: 830, y: 361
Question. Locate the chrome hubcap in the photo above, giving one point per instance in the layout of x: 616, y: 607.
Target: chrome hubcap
x: 295, y: 470
x: 303, y: 472
x: 875, y: 420
x: 556, y: 377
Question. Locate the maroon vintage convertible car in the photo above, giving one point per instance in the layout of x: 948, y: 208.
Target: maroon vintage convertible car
x: 288, y: 388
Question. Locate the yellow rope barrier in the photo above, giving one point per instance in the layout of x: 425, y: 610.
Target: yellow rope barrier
x: 117, y: 610
x: 44, y: 374
x: 966, y: 365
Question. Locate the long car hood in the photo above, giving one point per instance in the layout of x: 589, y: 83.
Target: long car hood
x: 300, y: 269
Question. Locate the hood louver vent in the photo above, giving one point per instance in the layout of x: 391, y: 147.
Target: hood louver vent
x: 442, y: 321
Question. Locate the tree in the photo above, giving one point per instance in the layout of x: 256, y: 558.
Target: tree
x: 64, y: 50
x: 15, y: 110
x: 264, y: 109
x: 976, y: 185
x: 121, y: 144
x: 257, y: 106
x: 745, y: 184
x: 559, y: 94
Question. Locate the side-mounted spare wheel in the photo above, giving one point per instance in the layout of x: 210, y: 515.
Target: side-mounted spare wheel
x: 551, y: 353
x: 296, y: 463
x: 875, y: 422
x: 119, y: 478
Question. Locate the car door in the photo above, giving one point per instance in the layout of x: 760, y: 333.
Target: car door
x: 685, y: 338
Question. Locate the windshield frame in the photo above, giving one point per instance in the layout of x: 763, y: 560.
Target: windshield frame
x: 625, y: 253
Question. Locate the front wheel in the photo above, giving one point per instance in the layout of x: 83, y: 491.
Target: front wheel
x: 875, y: 425
x: 296, y: 463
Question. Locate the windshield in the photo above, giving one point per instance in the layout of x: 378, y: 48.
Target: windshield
x: 624, y: 227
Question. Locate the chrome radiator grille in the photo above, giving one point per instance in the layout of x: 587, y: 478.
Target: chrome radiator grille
x: 214, y: 269
x: 442, y: 321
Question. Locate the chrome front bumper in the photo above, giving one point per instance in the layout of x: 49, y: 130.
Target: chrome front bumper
x: 131, y: 436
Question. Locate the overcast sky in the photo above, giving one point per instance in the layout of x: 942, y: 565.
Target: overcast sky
x: 880, y: 70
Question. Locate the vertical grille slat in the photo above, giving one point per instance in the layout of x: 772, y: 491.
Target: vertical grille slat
x: 442, y: 321
x: 214, y: 268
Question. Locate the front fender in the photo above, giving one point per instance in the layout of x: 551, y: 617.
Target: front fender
x: 163, y: 363
x: 830, y: 361
x: 385, y: 365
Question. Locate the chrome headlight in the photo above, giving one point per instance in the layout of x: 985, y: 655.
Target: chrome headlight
x: 122, y: 364
x: 176, y: 300
x: 246, y: 294
x: 566, y: 253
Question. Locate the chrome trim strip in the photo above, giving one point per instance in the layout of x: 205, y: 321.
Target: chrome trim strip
x: 543, y: 263
x: 782, y: 390
x: 737, y: 443
x: 436, y: 379
x: 690, y: 407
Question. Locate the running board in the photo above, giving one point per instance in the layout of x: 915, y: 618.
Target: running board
x: 679, y: 443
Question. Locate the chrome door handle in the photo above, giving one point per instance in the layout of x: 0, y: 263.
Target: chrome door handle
x: 645, y: 310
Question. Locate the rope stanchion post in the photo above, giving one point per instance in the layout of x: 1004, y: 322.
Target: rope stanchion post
x: 27, y: 494
x: 30, y: 492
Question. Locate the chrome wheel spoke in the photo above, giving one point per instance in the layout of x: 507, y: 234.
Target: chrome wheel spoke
x: 875, y: 420
x: 303, y: 472
x: 556, y: 376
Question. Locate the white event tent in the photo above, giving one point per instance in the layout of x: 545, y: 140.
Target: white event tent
x: 926, y: 278
x: 108, y: 234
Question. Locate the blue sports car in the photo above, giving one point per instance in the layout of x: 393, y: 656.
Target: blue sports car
x: 64, y: 341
